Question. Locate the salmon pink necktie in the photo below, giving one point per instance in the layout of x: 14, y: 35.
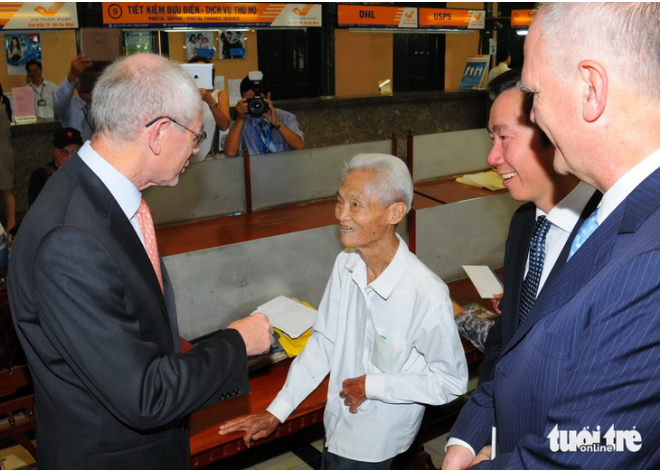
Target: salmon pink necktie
x: 146, y: 224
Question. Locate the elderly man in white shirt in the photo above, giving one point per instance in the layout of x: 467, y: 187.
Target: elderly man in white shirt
x: 384, y: 331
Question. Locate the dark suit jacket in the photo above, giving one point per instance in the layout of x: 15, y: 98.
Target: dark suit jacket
x: 516, y: 255
x: 112, y: 389
x: 587, y: 355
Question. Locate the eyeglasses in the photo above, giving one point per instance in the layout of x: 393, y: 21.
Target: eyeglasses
x: 199, y: 136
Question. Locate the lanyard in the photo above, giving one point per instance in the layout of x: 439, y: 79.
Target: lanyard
x: 37, y: 90
x: 264, y: 146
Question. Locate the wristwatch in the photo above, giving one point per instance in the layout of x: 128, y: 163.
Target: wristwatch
x: 214, y: 106
x: 277, y: 128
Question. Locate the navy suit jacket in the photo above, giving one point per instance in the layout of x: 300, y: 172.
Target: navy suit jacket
x: 101, y: 338
x: 587, y: 355
x: 516, y: 256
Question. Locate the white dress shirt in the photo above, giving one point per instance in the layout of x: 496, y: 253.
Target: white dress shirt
x: 71, y: 110
x: 46, y: 92
x: 626, y: 184
x: 122, y: 189
x: 563, y: 218
x: 399, y: 331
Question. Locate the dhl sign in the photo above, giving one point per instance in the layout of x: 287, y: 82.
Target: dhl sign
x: 376, y: 17
x: 38, y: 15
x: 522, y: 18
x: 166, y: 14
x: 442, y: 18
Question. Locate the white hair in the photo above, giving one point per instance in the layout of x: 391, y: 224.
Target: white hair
x: 136, y: 89
x: 392, y: 180
x: 624, y: 35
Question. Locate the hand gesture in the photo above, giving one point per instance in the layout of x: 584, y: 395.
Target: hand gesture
x: 78, y: 65
x: 271, y: 115
x: 353, y: 392
x: 457, y: 457
x: 256, y: 426
x: 496, y: 302
x: 256, y: 332
x: 242, y: 108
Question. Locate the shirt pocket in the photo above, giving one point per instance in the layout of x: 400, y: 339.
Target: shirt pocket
x: 389, y: 355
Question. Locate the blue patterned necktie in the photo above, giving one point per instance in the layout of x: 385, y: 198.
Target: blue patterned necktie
x: 535, y: 266
x: 587, y: 228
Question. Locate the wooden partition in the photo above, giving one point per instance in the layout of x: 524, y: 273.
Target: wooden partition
x: 303, y: 175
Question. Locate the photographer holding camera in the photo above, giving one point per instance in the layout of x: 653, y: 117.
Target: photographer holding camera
x: 259, y: 126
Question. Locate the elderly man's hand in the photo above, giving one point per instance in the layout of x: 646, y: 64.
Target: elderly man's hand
x: 256, y: 426
x: 353, y: 392
x: 484, y: 454
x: 256, y: 331
x: 78, y: 65
x: 457, y: 457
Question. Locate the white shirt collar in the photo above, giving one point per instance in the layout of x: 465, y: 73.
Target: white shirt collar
x: 565, y: 214
x: 127, y: 195
x: 386, y: 282
x: 627, y: 183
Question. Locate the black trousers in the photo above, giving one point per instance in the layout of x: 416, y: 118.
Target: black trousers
x: 332, y: 461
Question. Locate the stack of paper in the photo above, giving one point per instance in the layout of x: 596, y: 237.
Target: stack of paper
x: 290, y: 317
x: 489, y: 180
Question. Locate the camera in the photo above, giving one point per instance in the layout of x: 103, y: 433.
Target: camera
x: 256, y: 105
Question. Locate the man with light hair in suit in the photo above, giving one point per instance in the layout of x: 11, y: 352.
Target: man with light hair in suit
x: 578, y: 385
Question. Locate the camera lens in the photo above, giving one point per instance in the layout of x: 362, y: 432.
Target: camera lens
x: 256, y: 106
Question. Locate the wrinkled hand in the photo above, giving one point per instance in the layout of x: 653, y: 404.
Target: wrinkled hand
x: 78, y: 65
x: 484, y: 454
x: 457, y: 457
x: 242, y: 108
x: 256, y: 331
x: 496, y: 302
x: 271, y: 115
x: 353, y: 392
x: 256, y: 426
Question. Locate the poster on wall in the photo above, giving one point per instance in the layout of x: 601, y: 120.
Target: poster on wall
x: 475, y: 77
x: 20, y: 49
x: 200, y: 43
x: 232, y: 45
x: 137, y: 41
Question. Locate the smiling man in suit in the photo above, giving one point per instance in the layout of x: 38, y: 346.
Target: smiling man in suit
x: 92, y: 302
x: 578, y: 385
x: 557, y: 206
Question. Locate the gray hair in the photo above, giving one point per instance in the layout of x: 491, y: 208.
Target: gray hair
x: 393, y: 180
x: 136, y: 89
x: 625, y: 35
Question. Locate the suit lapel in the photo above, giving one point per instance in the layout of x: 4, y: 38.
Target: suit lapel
x: 591, y: 205
x: 593, y: 255
x: 107, y: 207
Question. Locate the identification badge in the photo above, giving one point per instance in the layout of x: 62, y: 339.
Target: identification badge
x: 41, y: 102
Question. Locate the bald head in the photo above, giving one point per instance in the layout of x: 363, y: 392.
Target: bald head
x: 136, y: 89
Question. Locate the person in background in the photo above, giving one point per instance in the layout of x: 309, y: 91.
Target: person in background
x: 191, y: 46
x: 577, y: 387
x: 91, y: 300
x: 65, y: 142
x: 503, y: 58
x: 275, y: 131
x: 74, y: 111
x: 216, y: 113
x: 384, y: 331
x: 44, y: 90
x: 15, y: 53
x: 7, y: 166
